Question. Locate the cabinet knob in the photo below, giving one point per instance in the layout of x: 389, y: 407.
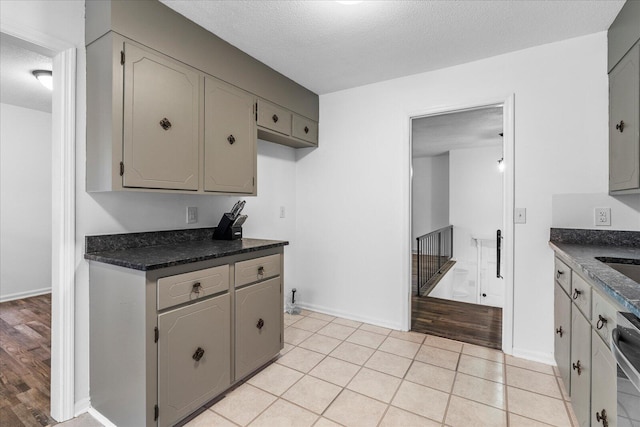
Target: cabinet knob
x: 231, y: 139
x: 198, y: 354
x: 165, y: 123
x: 306, y: 129
x: 260, y: 324
x: 260, y: 271
x: 602, y: 416
x: 576, y: 293
x: 559, y: 273
x: 601, y: 322
x: 274, y: 118
x: 577, y: 367
x: 560, y: 331
x: 196, y: 287
x: 620, y: 126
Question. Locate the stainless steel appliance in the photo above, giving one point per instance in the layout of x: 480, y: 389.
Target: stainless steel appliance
x: 625, y: 345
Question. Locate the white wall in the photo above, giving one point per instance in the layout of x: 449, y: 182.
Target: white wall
x: 364, y: 160
x: 475, y: 200
x: 131, y: 212
x: 25, y: 202
x: 430, y: 195
x: 577, y: 211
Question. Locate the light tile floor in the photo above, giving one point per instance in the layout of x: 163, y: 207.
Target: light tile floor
x: 338, y: 372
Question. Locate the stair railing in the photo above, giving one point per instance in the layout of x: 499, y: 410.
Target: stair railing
x: 434, y: 250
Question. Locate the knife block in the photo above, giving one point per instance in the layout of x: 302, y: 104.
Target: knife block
x: 225, y: 230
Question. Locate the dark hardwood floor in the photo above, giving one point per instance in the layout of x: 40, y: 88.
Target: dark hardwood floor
x: 25, y: 362
x: 472, y: 323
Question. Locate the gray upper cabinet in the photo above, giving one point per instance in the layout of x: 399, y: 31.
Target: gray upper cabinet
x: 229, y: 139
x: 161, y: 100
x: 624, y: 100
x: 152, y: 122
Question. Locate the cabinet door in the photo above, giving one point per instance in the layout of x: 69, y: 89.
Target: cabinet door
x: 603, y: 384
x: 194, y: 357
x: 161, y: 99
x: 581, y: 367
x: 624, y: 106
x: 229, y: 139
x: 258, y: 315
x: 562, y: 342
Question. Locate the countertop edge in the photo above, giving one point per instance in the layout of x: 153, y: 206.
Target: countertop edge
x: 600, y: 283
x: 100, y: 257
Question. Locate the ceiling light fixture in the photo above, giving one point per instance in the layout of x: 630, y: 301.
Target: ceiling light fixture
x: 501, y: 165
x: 45, y: 77
x: 349, y: 3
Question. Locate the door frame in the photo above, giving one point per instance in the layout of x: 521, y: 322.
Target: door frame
x: 508, y: 143
x: 63, y: 123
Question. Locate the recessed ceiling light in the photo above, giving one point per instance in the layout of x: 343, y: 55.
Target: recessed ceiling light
x: 45, y: 77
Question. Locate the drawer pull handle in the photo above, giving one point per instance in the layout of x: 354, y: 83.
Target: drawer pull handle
x: 261, y: 271
x: 602, y: 418
x: 559, y: 273
x: 620, y: 126
x: 601, y: 322
x: 560, y: 331
x: 306, y: 129
x: 196, y: 287
x: 198, y: 354
x: 260, y: 324
x: 165, y: 123
x: 576, y: 293
x: 231, y: 139
x: 274, y: 118
x: 577, y: 367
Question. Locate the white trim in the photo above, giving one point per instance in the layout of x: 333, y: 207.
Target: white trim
x: 350, y: 316
x: 26, y: 294
x: 508, y: 104
x: 82, y: 406
x: 536, y: 356
x: 101, y: 418
x: 63, y: 216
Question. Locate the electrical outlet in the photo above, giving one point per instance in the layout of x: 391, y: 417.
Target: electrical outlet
x: 520, y: 216
x: 192, y: 214
x: 602, y: 216
x: 282, y: 212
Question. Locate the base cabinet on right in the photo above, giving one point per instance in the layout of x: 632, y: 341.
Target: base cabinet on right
x: 603, y: 383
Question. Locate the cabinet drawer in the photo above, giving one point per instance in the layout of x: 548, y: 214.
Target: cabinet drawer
x: 258, y: 325
x: 273, y: 117
x: 581, y: 294
x: 257, y: 269
x: 304, y: 129
x: 181, y: 288
x: 563, y: 275
x: 194, y: 356
x: 603, y: 316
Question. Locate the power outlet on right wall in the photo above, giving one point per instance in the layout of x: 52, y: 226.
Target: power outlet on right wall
x: 602, y: 216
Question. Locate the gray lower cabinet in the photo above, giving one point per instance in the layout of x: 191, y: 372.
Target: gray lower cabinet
x: 258, y: 333
x: 562, y: 340
x: 581, y: 367
x: 603, y: 383
x: 583, y: 322
x: 194, y: 359
x: 165, y: 342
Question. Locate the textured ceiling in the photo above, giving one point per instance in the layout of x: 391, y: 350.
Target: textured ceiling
x: 435, y: 135
x: 17, y: 85
x: 327, y: 46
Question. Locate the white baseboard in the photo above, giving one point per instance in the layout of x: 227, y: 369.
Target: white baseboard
x: 26, y: 294
x: 536, y: 356
x: 81, y: 406
x: 351, y: 316
x: 101, y: 418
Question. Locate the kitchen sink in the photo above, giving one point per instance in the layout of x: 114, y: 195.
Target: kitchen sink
x: 630, y: 267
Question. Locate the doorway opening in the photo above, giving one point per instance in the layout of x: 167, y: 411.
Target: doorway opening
x: 461, y: 266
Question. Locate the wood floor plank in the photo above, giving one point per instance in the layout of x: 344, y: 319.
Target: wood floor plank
x: 25, y: 362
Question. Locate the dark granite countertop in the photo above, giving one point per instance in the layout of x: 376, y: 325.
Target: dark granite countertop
x: 580, y: 252
x: 154, y: 250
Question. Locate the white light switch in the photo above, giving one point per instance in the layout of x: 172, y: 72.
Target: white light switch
x: 520, y: 215
x: 192, y: 214
x: 602, y: 216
